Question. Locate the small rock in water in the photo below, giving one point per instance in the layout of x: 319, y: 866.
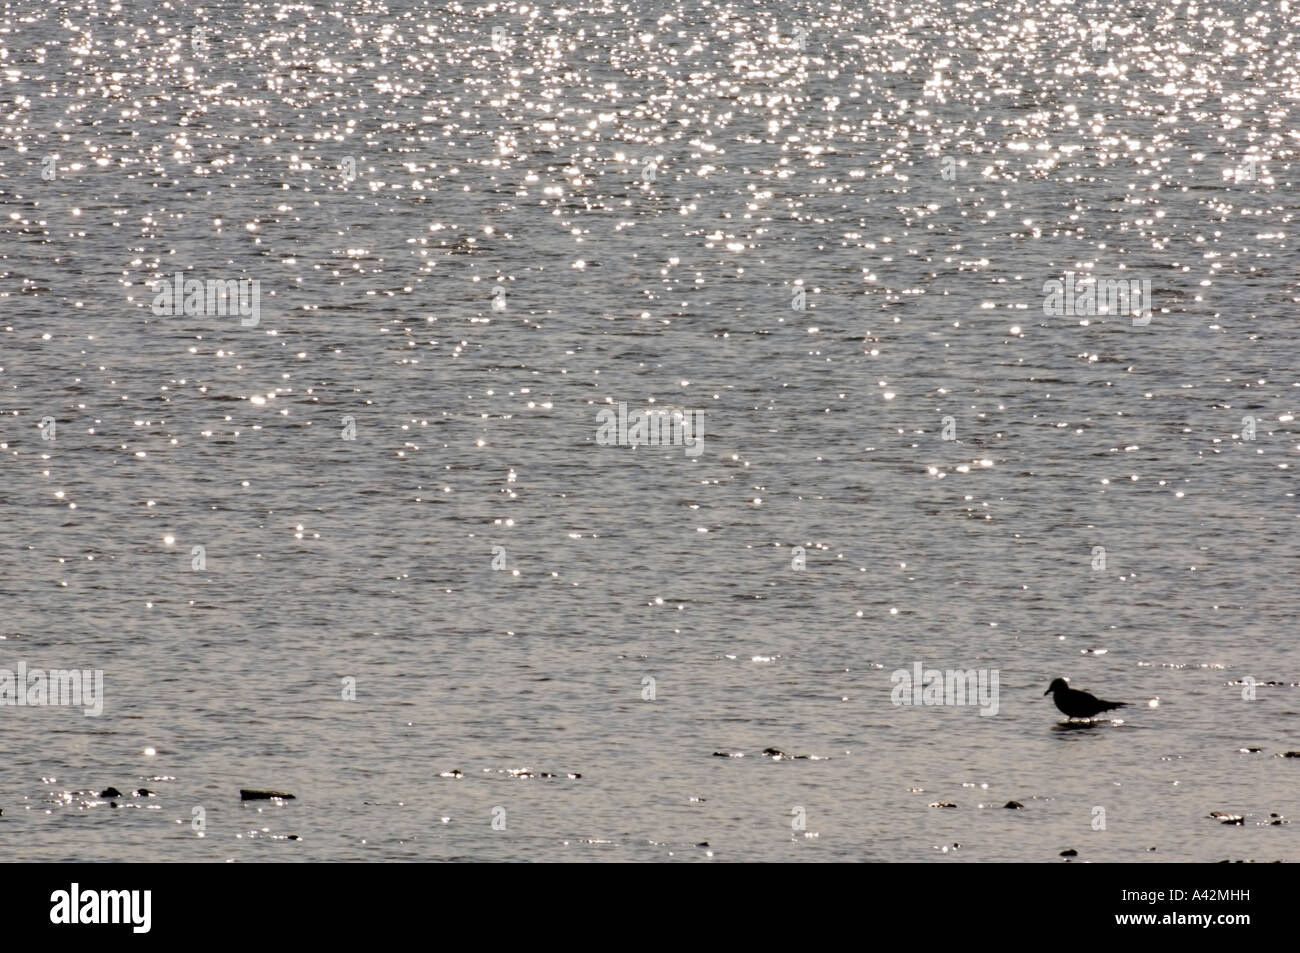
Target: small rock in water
x: 943, y: 804
x: 1014, y: 806
x: 110, y: 792
x: 776, y: 754
x: 1290, y: 754
x: 246, y: 795
x: 1070, y: 853
x: 144, y: 792
x: 1223, y: 817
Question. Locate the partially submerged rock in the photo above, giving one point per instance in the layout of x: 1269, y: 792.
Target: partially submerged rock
x: 1223, y: 817
x: 110, y: 792
x: 246, y: 795
x: 776, y: 754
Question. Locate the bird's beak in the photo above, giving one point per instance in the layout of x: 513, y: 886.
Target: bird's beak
x: 1048, y: 692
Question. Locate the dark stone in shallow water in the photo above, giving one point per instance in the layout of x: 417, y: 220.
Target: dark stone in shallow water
x: 1070, y: 853
x: 1014, y: 806
x: 144, y: 792
x: 110, y: 792
x: 776, y: 754
x: 1291, y: 754
x: 246, y: 795
x: 943, y: 804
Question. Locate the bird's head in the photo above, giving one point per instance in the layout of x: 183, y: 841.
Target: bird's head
x: 1058, y: 685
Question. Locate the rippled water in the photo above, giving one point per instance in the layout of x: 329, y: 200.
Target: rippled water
x: 475, y: 226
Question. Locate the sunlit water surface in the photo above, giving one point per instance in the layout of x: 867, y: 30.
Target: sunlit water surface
x: 647, y: 191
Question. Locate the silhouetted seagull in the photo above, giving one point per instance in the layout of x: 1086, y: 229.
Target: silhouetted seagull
x: 1077, y: 704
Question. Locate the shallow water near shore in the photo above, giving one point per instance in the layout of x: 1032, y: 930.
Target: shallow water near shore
x: 564, y: 650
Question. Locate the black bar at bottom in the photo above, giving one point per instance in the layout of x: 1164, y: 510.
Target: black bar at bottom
x: 265, y: 903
